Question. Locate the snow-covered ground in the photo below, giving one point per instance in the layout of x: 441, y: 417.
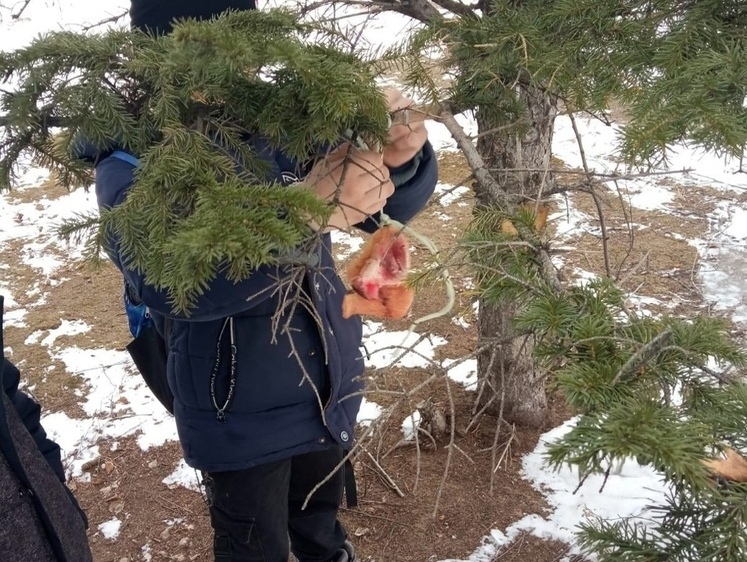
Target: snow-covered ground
x: 105, y: 371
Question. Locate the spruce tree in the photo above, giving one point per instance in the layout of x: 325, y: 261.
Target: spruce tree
x: 654, y: 390
x: 676, y: 66
x: 649, y: 389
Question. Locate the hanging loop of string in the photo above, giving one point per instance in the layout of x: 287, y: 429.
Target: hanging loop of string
x: 427, y: 243
x: 386, y: 220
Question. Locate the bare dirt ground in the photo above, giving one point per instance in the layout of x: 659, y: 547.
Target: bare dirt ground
x: 128, y: 482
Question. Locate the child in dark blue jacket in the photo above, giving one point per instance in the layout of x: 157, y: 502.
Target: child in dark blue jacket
x: 266, y: 396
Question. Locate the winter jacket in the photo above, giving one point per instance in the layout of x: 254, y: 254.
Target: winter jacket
x: 246, y: 391
x: 40, y: 521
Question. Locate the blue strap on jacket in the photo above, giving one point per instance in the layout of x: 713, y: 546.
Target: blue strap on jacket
x: 126, y: 157
x: 138, y: 316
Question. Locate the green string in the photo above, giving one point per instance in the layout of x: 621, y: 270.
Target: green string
x: 386, y: 220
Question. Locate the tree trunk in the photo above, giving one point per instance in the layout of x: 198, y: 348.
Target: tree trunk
x: 508, y: 369
x: 520, y: 164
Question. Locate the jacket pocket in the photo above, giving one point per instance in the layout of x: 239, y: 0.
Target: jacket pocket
x: 202, y: 369
x: 249, y: 364
x: 281, y: 367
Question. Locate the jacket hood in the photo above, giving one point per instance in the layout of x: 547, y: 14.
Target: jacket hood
x: 157, y: 16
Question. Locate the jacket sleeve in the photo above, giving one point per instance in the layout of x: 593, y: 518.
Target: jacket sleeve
x: 414, y: 183
x: 221, y: 298
x: 30, y: 413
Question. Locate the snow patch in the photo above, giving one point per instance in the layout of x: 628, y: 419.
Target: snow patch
x: 110, y: 529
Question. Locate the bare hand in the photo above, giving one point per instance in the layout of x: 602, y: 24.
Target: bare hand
x: 355, y: 181
x: 408, y: 134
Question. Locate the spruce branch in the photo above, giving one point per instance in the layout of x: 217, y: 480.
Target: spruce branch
x: 192, y: 106
x: 457, y: 7
x: 678, y: 69
x: 45, y: 121
x: 643, y: 356
x: 485, y: 181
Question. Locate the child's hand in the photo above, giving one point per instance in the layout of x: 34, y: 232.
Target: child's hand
x: 356, y: 181
x: 408, y: 134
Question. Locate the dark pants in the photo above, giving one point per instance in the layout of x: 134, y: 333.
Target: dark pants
x: 254, y: 511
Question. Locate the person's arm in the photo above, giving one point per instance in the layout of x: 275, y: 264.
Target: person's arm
x: 30, y: 413
x: 414, y: 183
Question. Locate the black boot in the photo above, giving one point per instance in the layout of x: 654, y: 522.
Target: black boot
x: 346, y: 553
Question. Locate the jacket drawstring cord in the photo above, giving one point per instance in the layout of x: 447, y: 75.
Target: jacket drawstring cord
x: 221, y: 410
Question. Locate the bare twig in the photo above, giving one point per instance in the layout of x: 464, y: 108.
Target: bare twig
x: 383, y: 473
x: 421, y: 10
x: 519, y: 123
x: 579, y: 142
x: 627, y: 214
x: 327, y: 478
x: 498, y: 423
x: 506, y: 448
x: 463, y: 453
x: 450, y: 448
x: 477, y: 413
x: 603, y: 228
x: 633, y: 270
x: 19, y: 13
x: 178, y: 507
x: 600, y: 176
x: 581, y: 482
x: 111, y: 19
x: 496, y: 462
x: 597, y: 201
x: 606, y: 477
